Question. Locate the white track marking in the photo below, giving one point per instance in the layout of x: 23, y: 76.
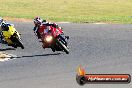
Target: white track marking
x: 5, y: 56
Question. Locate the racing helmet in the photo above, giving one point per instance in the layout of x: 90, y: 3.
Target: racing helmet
x: 55, y: 25
x: 37, y: 20
x: 5, y: 27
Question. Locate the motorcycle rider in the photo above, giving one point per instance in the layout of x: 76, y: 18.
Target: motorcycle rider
x: 37, y: 23
x: 2, y: 22
x: 4, y: 27
x: 41, y: 26
x: 1, y: 37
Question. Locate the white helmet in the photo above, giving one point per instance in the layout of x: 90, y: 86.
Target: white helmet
x: 37, y: 20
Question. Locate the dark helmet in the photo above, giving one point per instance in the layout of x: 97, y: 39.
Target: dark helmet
x: 5, y: 27
x: 37, y: 20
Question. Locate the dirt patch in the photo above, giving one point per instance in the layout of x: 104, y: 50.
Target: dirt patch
x: 17, y: 19
x: 25, y: 20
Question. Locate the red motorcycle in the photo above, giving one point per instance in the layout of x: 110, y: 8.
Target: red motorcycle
x: 54, y: 38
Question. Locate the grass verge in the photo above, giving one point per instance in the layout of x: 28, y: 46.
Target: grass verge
x: 79, y: 11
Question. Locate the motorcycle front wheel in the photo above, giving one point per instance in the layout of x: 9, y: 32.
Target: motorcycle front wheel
x: 17, y: 42
x: 64, y: 47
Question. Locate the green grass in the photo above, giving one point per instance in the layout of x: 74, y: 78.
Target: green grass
x: 89, y: 11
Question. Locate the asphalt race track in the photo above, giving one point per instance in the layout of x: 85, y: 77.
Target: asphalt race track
x: 99, y: 48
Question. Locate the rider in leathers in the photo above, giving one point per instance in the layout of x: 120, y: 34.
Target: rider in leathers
x: 41, y: 26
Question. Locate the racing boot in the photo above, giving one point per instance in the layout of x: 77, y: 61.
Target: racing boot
x: 12, y: 45
x: 67, y: 37
x: 2, y: 40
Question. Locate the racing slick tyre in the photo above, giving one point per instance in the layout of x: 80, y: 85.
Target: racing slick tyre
x: 19, y: 43
x: 64, y: 47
